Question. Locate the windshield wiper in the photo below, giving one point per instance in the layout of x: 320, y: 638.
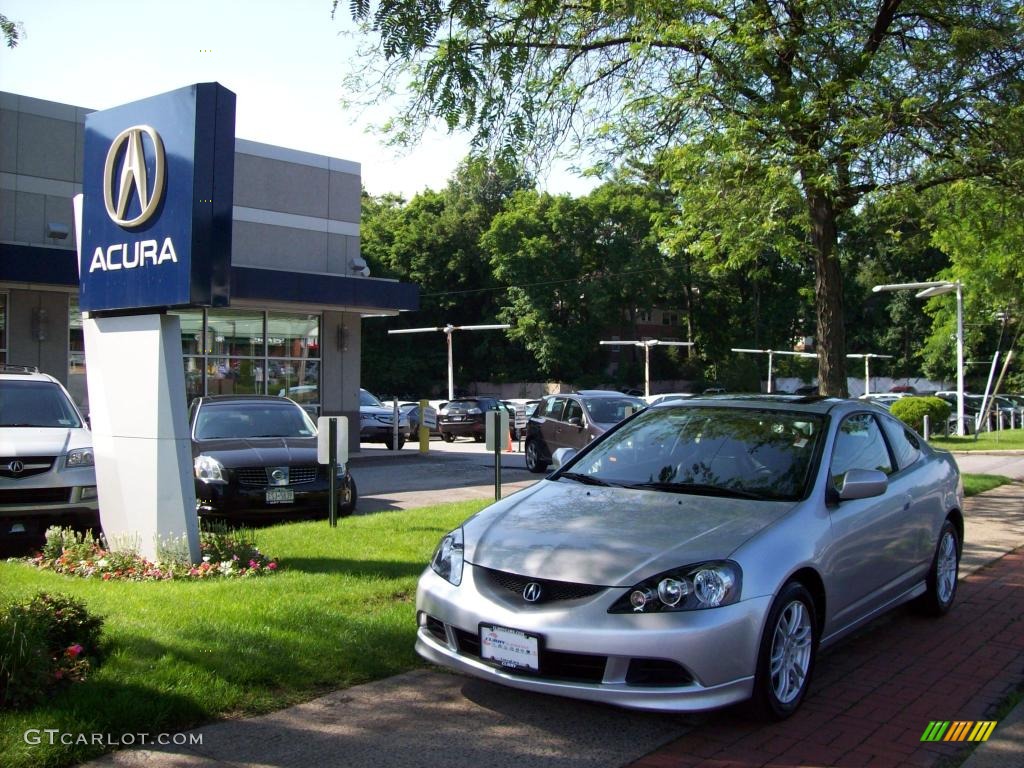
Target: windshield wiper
x: 585, y: 479
x: 703, y: 489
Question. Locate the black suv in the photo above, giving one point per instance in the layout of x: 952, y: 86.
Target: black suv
x: 464, y: 417
x: 572, y: 421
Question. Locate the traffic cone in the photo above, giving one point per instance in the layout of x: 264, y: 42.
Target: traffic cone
x: 508, y: 446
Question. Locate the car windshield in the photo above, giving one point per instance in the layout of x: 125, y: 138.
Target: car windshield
x: 365, y: 398
x: 36, y: 404
x: 249, y: 420
x: 751, y: 453
x: 611, y: 410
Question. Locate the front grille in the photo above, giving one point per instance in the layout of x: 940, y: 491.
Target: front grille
x: 31, y: 465
x: 554, y: 665
x: 259, y: 476
x: 550, y: 590
x: 436, y: 628
x: 35, y: 496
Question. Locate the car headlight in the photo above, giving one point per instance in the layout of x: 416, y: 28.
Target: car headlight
x: 447, y: 560
x: 474, y: 411
x: 80, y: 457
x: 342, y: 469
x: 694, y: 587
x: 209, y: 469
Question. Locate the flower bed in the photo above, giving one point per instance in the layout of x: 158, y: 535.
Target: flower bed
x: 226, y: 553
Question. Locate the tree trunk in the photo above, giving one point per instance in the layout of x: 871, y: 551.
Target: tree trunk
x: 828, y: 296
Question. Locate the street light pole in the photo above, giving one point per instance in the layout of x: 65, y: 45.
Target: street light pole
x: 447, y: 330
x: 867, y: 368
x: 647, y: 344
x: 926, y: 290
x: 771, y: 358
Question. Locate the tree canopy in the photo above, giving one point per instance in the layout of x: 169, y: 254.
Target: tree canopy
x: 770, y: 120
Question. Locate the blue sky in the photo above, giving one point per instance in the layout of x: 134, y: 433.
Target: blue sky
x: 285, y: 62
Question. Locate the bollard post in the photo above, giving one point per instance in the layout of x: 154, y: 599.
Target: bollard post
x: 927, y: 425
x: 394, y: 423
x: 424, y: 429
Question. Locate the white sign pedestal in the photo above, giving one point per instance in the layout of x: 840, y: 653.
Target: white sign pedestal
x: 140, y: 432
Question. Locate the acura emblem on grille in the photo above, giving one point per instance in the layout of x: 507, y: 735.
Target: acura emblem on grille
x: 531, y: 592
x: 16, y: 467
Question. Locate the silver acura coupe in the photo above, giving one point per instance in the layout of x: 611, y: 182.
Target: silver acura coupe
x: 698, y: 554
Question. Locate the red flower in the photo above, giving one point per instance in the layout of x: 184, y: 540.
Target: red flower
x: 74, y: 651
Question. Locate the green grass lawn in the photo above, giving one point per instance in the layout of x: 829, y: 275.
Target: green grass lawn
x: 1008, y: 439
x: 340, y: 612
x: 975, y: 484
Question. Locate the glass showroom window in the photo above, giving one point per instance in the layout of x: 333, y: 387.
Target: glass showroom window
x: 76, y: 356
x: 252, y: 352
x: 3, y: 328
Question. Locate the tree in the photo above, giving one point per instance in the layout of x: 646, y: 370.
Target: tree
x: 12, y: 31
x: 820, y: 102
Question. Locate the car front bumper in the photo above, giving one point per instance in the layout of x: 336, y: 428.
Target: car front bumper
x: 232, y: 500
x: 712, y: 653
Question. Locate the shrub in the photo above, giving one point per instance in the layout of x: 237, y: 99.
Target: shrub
x: 46, y: 641
x: 912, y: 410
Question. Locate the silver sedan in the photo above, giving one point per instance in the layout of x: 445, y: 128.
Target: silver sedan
x: 697, y: 555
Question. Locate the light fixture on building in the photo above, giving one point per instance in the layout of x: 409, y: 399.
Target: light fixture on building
x: 358, y: 265
x: 57, y: 231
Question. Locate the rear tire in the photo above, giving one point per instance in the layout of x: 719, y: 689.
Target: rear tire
x: 943, y: 576
x: 448, y: 437
x: 788, y: 650
x: 390, y: 442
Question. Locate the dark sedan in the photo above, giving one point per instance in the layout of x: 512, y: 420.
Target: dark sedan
x: 255, y: 456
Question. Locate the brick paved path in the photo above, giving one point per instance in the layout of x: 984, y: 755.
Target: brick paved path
x: 873, y: 695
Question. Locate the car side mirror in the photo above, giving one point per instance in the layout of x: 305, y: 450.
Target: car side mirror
x: 863, y: 484
x: 562, y: 456
x: 576, y: 421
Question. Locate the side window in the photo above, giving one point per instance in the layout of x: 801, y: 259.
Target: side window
x: 554, y: 408
x: 573, y: 410
x: 859, y: 445
x: 905, y: 444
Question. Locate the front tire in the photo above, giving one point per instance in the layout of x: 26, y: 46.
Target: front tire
x: 390, y: 442
x: 448, y: 437
x: 788, y: 650
x: 943, y: 576
x: 533, y: 460
x: 349, y: 496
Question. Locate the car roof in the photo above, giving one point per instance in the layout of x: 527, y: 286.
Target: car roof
x: 225, y: 399
x: 808, y: 403
x: 24, y: 373
x: 603, y: 393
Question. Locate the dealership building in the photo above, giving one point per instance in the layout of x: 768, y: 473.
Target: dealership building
x: 299, y: 287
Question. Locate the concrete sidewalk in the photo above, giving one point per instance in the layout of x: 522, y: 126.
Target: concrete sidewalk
x: 870, y: 702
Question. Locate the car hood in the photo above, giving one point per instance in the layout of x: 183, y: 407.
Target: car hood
x: 42, y: 441
x: 564, y: 531
x: 258, y: 451
x: 379, y: 413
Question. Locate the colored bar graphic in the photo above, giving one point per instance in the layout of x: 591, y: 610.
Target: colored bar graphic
x: 959, y: 730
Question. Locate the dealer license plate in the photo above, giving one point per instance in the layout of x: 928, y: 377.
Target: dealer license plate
x: 510, y: 647
x: 280, y: 495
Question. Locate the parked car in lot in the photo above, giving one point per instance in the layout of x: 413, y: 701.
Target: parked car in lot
x: 411, y: 411
x: 697, y: 555
x: 465, y: 417
x: 655, y: 399
x: 572, y: 421
x: 377, y: 422
x: 255, y: 456
x: 47, y: 475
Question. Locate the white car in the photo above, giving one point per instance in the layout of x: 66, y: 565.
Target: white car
x: 46, y: 461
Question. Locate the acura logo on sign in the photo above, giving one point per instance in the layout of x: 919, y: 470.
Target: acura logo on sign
x: 531, y: 592
x: 133, y: 179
